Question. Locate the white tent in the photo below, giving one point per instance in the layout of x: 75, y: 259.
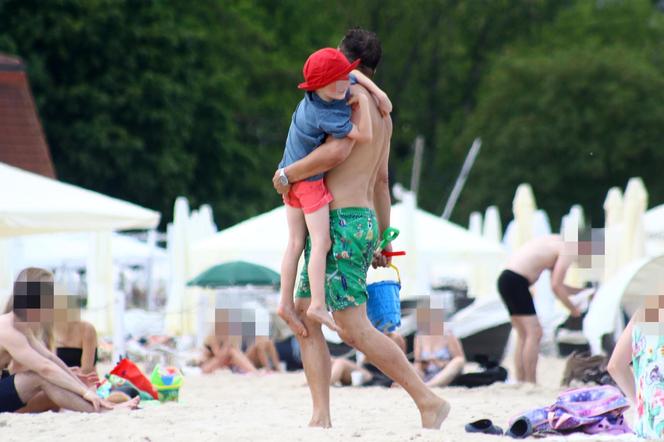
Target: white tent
x: 71, y: 250
x: 36, y: 204
x: 654, y: 226
x: 439, y: 247
x: 627, y: 288
x: 31, y: 204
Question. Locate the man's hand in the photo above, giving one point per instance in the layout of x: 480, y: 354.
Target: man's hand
x: 380, y: 260
x: 280, y: 188
x: 95, y: 400
x: 89, y: 379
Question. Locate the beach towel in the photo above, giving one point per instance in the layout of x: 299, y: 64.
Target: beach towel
x: 591, y: 410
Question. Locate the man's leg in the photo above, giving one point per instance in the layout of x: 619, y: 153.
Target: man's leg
x: 531, y: 346
x: 317, y: 365
x: 518, y: 348
x: 381, y: 351
x: 29, y: 384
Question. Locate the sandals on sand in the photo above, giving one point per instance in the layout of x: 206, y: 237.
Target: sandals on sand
x: 484, y: 426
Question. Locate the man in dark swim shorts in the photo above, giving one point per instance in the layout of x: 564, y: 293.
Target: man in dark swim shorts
x: 523, y: 269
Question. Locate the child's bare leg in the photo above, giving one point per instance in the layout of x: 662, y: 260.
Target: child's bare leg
x: 318, y: 224
x: 297, y: 231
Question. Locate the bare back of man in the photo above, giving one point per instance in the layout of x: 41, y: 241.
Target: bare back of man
x: 536, y: 256
x: 353, y: 182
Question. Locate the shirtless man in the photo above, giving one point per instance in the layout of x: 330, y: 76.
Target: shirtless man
x: 359, y: 185
x: 523, y: 269
x: 32, y: 303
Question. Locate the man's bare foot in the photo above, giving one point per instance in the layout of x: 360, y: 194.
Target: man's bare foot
x: 287, y: 313
x: 434, y: 414
x: 131, y: 404
x: 319, y: 314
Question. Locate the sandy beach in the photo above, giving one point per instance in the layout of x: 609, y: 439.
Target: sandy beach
x: 276, y: 407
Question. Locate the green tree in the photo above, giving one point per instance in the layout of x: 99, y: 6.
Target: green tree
x: 571, y: 119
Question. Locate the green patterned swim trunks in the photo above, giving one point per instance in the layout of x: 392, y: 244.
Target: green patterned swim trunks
x: 354, y: 235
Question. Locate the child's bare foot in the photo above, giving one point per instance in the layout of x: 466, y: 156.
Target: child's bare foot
x: 287, y: 313
x: 435, y: 413
x: 319, y: 314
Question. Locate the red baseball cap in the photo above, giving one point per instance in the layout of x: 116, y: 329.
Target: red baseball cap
x: 325, y: 66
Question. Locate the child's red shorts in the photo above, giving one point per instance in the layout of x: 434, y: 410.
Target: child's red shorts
x: 308, y: 196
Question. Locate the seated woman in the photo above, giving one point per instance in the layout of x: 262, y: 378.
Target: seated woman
x: 371, y: 375
x: 642, y: 345
x: 75, y: 341
x: 438, y: 358
x: 223, y: 352
x: 263, y: 354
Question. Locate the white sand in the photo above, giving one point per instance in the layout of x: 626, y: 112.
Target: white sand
x: 277, y: 407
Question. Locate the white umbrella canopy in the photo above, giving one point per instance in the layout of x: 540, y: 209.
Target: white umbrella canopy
x: 626, y: 288
x: 37, y: 204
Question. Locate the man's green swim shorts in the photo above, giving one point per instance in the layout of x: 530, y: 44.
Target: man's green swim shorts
x: 354, y: 235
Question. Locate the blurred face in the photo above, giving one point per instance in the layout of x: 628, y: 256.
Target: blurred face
x: 66, y: 309
x: 335, y: 90
x: 33, y: 303
x: 430, y: 318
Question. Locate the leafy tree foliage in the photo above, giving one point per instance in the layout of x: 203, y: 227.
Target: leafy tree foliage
x: 150, y: 99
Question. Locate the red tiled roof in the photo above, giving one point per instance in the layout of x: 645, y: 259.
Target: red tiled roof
x: 22, y: 140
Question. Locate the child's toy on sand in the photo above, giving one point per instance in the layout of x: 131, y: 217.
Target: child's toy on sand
x: 167, y: 381
x: 383, y: 305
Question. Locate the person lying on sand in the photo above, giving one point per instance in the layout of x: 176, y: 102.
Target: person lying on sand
x: 31, y: 306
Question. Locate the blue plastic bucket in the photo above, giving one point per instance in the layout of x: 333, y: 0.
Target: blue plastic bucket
x: 383, y: 305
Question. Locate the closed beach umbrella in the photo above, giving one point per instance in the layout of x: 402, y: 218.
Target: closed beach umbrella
x: 236, y: 273
x: 475, y: 223
x: 634, y: 209
x: 613, y: 217
x: 492, y: 229
x: 524, y: 208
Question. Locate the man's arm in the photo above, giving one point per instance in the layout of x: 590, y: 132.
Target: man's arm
x: 39, y: 347
x: 22, y: 352
x: 561, y: 290
x: 325, y: 157
x: 382, y: 200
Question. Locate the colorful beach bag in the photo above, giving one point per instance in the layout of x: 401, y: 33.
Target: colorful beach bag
x: 167, y: 381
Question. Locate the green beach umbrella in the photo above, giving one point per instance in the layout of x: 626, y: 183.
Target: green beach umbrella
x: 235, y: 273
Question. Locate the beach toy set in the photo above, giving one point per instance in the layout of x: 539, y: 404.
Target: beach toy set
x: 164, y: 383
x: 167, y: 381
x: 384, y: 305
